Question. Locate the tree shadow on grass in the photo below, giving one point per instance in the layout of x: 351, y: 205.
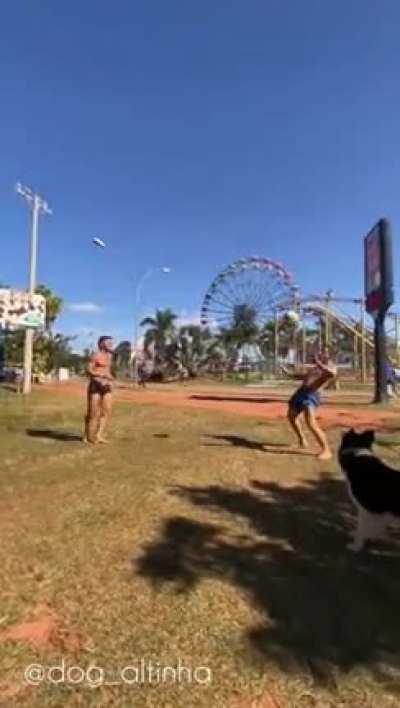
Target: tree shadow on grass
x: 53, y: 435
x: 324, y: 608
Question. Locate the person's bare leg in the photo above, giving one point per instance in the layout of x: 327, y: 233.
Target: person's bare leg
x: 294, y: 421
x: 92, y: 418
x: 106, y: 406
x: 87, y: 418
x: 319, y: 435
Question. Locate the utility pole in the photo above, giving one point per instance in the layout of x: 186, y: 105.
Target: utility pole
x: 397, y: 336
x: 38, y: 206
x: 303, y: 341
x: 276, y: 343
x: 135, y: 346
x: 328, y: 300
x: 138, y: 291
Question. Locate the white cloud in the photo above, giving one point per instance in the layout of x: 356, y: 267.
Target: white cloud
x: 185, y: 319
x: 84, y: 307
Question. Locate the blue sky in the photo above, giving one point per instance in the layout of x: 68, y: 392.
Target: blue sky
x: 192, y: 134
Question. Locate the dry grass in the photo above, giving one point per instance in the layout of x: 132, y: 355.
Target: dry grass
x: 185, y: 539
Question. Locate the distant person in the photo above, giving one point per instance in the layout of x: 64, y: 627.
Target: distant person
x: 391, y: 379
x: 307, y: 399
x: 183, y: 374
x: 19, y: 380
x: 99, y: 392
x: 334, y: 384
x: 143, y: 373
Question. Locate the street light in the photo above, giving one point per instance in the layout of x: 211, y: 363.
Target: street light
x: 38, y: 206
x: 138, y: 291
x: 147, y: 274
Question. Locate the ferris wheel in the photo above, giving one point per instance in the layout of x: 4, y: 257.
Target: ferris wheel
x: 251, y: 289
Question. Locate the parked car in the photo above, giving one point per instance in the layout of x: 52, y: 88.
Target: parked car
x: 12, y: 373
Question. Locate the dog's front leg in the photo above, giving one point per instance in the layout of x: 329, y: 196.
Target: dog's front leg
x: 369, y: 527
x: 361, y: 532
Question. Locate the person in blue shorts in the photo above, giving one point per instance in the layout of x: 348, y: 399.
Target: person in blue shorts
x: 307, y: 399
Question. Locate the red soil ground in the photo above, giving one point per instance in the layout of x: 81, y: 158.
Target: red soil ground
x: 338, y: 410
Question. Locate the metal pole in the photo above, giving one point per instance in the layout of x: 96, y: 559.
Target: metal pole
x: 304, y: 343
x: 327, y: 334
x: 38, y: 206
x: 397, y: 335
x: 363, y: 344
x: 139, y: 285
x: 295, y: 344
x: 136, y: 335
x: 327, y: 321
x: 276, y: 343
x: 381, y: 392
x: 355, y: 355
x: 28, y: 348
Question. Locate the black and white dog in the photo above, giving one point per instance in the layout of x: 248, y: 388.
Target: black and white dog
x: 374, y: 487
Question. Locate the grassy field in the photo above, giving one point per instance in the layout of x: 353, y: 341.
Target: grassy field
x: 188, y: 540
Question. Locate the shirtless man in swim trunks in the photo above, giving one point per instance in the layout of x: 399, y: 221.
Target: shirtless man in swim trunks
x: 99, y: 392
x: 307, y: 399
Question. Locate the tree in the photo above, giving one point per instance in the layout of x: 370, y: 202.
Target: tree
x: 161, y: 337
x: 122, y: 357
x: 14, y: 347
x: 195, y: 347
x: 243, y: 331
x: 54, y: 305
x: 215, y: 355
x: 287, y: 336
x: 50, y: 351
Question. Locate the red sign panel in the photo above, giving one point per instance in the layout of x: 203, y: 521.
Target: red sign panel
x: 378, y: 269
x: 373, y: 246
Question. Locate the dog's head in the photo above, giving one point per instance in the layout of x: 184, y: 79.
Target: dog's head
x: 356, y: 441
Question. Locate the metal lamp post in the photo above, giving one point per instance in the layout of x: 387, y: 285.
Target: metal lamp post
x: 38, y: 206
x: 138, y: 291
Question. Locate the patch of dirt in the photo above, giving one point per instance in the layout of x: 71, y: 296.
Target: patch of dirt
x: 268, y: 405
x: 267, y: 700
x: 45, y: 631
x: 11, y: 692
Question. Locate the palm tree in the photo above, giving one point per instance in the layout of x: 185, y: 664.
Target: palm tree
x: 243, y: 331
x: 244, y: 328
x: 215, y: 357
x: 196, y: 348
x: 161, y: 336
x: 54, y: 305
x: 122, y: 357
